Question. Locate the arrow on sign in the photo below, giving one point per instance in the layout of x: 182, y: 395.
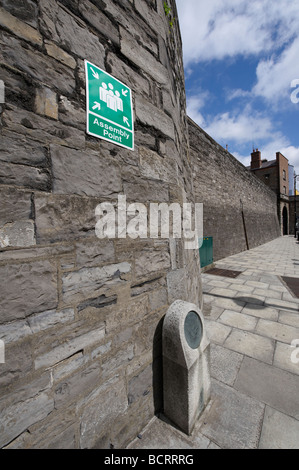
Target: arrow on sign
x: 95, y: 74
x: 96, y: 105
x: 124, y: 92
x: 126, y: 121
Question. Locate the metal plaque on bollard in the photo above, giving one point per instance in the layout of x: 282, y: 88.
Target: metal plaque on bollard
x: 186, y: 370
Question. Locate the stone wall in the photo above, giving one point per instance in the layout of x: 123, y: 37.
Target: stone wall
x: 240, y: 211
x: 81, y: 317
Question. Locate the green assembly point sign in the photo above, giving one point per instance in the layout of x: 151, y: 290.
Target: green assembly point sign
x: 108, y: 107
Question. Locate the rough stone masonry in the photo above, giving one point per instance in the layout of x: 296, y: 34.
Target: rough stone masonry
x: 81, y: 317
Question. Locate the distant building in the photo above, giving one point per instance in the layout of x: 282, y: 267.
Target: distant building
x: 275, y: 174
x: 294, y: 209
x: 291, y: 180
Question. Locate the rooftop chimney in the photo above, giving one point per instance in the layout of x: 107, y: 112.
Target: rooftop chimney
x: 256, y: 159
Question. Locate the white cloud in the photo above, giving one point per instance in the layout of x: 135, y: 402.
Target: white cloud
x: 244, y: 130
x: 275, y: 75
x: 238, y: 93
x: 240, y: 128
x: 194, y: 105
x: 217, y: 29
x: 264, y: 30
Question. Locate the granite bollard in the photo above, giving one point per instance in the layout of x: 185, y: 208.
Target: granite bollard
x: 186, y: 376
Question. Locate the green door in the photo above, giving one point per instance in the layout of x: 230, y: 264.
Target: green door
x: 206, y: 252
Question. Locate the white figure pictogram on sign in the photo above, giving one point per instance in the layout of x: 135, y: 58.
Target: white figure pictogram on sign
x: 113, y: 100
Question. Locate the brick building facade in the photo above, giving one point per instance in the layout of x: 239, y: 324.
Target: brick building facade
x: 275, y: 174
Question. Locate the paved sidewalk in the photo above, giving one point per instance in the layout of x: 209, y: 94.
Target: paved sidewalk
x: 252, y: 321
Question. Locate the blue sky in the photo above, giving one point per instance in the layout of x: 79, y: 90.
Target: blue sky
x: 241, y: 62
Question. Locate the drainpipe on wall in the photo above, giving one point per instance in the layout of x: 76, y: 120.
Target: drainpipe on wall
x: 244, y: 224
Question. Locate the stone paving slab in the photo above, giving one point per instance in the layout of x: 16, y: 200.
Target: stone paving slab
x: 160, y: 434
x: 270, y: 385
x: 251, y: 345
x: 252, y: 321
x: 279, y: 431
x: 225, y: 364
x: 234, y: 420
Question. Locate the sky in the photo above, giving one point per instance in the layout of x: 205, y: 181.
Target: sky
x: 241, y: 61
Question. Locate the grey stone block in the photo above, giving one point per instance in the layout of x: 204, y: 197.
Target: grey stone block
x: 85, y: 174
x: 18, y: 359
x: 140, y: 385
x: 119, y: 360
x: 77, y: 385
x: 22, y: 151
x: 142, y: 191
x: 68, y: 366
x: 25, y: 10
x: 19, y: 28
x: 44, y: 320
x: 15, y: 205
x: 98, y: 414
x: 176, y: 285
x: 71, y: 113
x: 28, y: 288
x: 94, y: 252
x: 76, y: 38
x: 158, y: 298
x: 19, y: 416
x: 26, y: 176
x: 155, y: 167
x: 69, y: 348
x: 142, y: 58
x: 149, y: 262
x: 88, y: 282
x: 152, y: 18
x: 99, y: 20
x: 59, y: 54
x: 131, y: 22
x: 18, y: 234
x: 42, y: 129
x: 130, y: 313
x: 37, y: 65
x: 46, y: 102
x: 14, y: 331
x: 127, y: 75
x: 150, y: 115
x: 74, y: 219
x: 70, y: 32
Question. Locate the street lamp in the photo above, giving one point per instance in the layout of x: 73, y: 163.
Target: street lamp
x: 295, y: 179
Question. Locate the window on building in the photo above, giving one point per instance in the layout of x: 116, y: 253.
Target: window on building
x: 284, y: 190
x: 284, y: 175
